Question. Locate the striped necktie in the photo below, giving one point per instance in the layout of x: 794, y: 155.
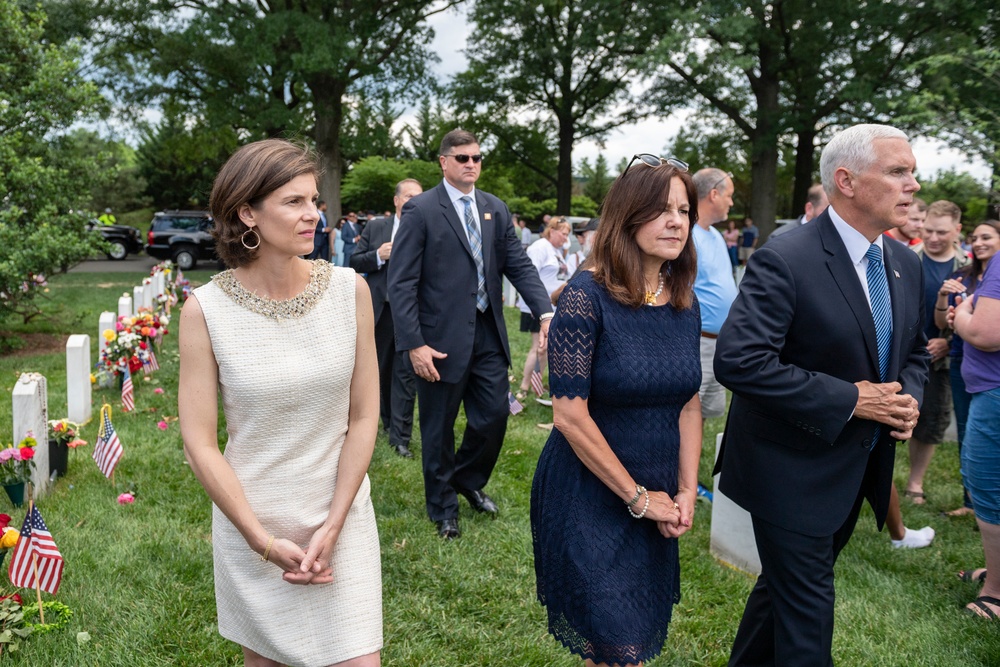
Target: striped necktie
x: 476, y: 242
x: 878, y: 293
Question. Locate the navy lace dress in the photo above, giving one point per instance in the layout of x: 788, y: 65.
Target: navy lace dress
x: 608, y: 581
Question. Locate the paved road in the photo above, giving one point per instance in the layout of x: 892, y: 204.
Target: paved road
x: 131, y: 264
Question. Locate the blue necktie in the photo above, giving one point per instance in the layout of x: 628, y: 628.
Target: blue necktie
x: 878, y: 292
x: 476, y: 242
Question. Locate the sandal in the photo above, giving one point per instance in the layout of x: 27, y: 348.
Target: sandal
x: 521, y: 394
x: 969, y: 576
x: 916, y: 497
x: 979, y: 609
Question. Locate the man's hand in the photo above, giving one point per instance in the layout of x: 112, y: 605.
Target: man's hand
x: 937, y: 347
x: 883, y: 403
x: 422, y: 359
x: 543, y: 336
x: 384, y: 251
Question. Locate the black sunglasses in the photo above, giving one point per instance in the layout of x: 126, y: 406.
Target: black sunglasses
x: 462, y: 159
x: 656, y: 161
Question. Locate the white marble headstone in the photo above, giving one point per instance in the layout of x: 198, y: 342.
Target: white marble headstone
x: 125, y: 306
x: 78, y: 397
x: 31, y: 413
x: 138, y: 294
x: 732, y: 538
x: 106, y: 322
x: 159, y: 285
x: 148, y: 295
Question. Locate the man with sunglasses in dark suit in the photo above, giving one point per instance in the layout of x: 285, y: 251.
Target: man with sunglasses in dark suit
x: 454, y: 246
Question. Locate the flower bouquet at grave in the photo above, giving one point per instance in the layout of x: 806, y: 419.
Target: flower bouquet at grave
x: 130, y: 343
x: 169, y: 297
x: 16, y: 464
x: 63, y: 436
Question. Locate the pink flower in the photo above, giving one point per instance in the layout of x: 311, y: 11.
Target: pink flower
x: 162, y: 426
x: 119, y: 327
x: 6, y: 455
x: 158, y: 390
x: 126, y: 499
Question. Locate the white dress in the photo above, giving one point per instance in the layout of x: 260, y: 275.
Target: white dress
x: 285, y: 371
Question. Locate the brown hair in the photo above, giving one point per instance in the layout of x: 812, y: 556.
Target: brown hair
x: 555, y: 223
x: 919, y: 203
x: 636, y: 197
x: 943, y: 208
x: 457, y: 137
x: 250, y: 174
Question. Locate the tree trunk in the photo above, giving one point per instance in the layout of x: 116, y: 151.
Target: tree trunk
x: 328, y: 97
x: 564, y: 172
x: 805, y: 163
x: 764, y: 144
x: 993, y: 198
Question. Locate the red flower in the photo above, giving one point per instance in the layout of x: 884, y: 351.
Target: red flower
x: 134, y: 364
x: 4, y: 520
x: 15, y: 597
x: 27, y: 453
x: 142, y: 345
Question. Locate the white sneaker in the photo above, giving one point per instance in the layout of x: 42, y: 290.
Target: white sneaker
x: 915, y: 539
x: 547, y: 402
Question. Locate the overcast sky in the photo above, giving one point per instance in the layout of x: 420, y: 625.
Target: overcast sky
x: 452, y: 34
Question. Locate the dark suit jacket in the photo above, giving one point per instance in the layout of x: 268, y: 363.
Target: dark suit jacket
x: 347, y: 233
x: 798, y: 337
x: 321, y: 242
x: 432, y: 277
x: 365, y: 260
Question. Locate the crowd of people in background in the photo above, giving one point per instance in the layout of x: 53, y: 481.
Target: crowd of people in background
x: 664, y: 304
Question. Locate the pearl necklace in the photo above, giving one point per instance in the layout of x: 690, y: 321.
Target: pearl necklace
x: 651, y: 297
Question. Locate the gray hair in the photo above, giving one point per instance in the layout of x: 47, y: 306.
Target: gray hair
x: 399, y: 186
x: 853, y: 149
x: 707, y: 179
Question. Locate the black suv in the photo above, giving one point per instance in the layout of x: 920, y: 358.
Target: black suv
x: 182, y: 236
x: 122, y: 239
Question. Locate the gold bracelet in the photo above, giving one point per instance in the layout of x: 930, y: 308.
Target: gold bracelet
x: 267, y: 549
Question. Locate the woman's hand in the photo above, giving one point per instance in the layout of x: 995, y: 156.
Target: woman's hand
x: 951, y: 286
x: 290, y: 558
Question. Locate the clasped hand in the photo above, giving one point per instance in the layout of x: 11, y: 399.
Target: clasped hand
x: 673, y: 516
x: 882, y: 402
x: 311, y: 566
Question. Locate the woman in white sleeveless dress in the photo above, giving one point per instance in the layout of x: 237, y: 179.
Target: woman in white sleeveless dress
x: 289, y: 345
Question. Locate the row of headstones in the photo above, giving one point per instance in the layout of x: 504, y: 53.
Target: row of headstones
x: 30, y: 395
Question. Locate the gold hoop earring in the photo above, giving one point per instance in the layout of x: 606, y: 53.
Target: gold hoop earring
x: 243, y: 239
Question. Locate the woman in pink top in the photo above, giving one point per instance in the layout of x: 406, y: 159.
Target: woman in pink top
x: 732, y: 236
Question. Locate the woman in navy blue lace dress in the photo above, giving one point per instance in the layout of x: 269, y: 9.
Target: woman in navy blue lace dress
x: 616, y: 483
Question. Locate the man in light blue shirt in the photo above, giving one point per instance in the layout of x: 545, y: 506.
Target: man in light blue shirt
x: 714, y: 285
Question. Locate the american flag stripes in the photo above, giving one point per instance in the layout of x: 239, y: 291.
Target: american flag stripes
x: 149, y: 363
x: 515, y: 405
x: 128, y: 398
x: 36, y: 550
x: 536, y: 379
x: 108, y: 448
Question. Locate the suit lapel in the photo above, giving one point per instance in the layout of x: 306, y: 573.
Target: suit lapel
x: 451, y: 215
x: 487, y: 228
x: 898, y: 304
x: 847, y: 279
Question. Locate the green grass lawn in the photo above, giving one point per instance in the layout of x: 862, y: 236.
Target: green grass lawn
x: 139, y: 577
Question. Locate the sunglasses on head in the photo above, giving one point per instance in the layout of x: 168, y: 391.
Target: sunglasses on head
x: 729, y: 174
x: 462, y: 158
x: 656, y: 161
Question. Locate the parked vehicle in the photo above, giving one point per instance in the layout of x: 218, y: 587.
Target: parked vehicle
x: 182, y: 236
x: 122, y: 239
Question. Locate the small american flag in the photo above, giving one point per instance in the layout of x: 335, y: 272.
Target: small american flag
x: 108, y: 448
x: 36, y: 550
x: 128, y: 398
x: 536, y: 379
x: 515, y: 405
x: 149, y: 363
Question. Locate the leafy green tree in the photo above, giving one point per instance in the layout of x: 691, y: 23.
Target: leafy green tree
x: 368, y: 129
x: 793, y: 69
x: 108, y: 167
x: 596, y: 179
x: 962, y: 189
x: 371, y: 182
x: 271, y: 68
x: 568, y: 65
x: 41, y: 94
x: 179, y: 160
x: 426, y: 133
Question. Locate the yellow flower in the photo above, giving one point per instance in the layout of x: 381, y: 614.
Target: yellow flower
x: 109, y: 335
x: 93, y: 380
x: 9, y: 539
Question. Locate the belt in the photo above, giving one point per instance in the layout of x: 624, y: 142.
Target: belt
x: 705, y: 334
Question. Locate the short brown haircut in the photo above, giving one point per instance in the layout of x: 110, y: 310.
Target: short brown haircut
x: 943, y: 208
x: 457, y: 137
x: 919, y: 204
x: 636, y: 197
x: 250, y: 175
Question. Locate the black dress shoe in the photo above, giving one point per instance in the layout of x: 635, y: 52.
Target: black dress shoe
x: 448, y: 528
x: 480, y: 501
x: 403, y: 451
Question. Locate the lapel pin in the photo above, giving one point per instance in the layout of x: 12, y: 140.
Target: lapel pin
x: 896, y: 272
x: 488, y: 216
